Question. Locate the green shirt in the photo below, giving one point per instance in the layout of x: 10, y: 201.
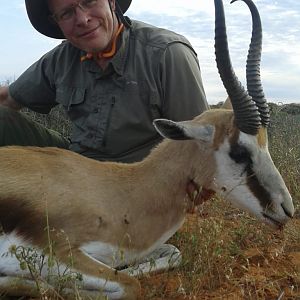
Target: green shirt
x: 154, y: 74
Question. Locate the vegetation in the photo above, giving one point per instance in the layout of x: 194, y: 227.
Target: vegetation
x: 226, y: 253
x: 55, y: 120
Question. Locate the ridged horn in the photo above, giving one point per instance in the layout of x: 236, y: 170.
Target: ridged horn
x: 254, y: 84
x: 245, y: 110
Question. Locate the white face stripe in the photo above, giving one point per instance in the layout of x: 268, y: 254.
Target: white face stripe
x: 231, y: 179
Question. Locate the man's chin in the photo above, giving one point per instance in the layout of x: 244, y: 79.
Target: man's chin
x: 93, y: 49
x: 89, y: 46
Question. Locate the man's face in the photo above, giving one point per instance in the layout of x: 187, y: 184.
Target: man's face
x: 90, y: 30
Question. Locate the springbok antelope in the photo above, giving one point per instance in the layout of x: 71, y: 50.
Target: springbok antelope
x: 114, y: 214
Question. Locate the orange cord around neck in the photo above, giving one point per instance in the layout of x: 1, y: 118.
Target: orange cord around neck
x: 107, y: 54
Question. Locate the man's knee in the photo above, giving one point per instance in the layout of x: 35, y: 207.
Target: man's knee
x: 18, y: 129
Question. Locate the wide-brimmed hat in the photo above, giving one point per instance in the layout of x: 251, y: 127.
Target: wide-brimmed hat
x: 39, y: 16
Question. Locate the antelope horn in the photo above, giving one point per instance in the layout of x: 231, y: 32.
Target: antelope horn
x: 245, y: 110
x: 254, y: 84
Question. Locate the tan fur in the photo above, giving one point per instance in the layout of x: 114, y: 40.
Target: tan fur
x: 227, y: 104
x: 61, y: 181
x: 223, y: 121
x: 262, y: 137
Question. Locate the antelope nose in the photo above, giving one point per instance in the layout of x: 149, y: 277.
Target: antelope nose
x: 288, y: 208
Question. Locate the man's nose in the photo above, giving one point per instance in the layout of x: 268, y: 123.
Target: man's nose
x: 82, y: 15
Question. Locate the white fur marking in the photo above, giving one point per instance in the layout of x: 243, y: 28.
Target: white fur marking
x: 232, y: 177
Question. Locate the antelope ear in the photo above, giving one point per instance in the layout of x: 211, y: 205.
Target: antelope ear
x: 186, y: 130
x: 227, y: 104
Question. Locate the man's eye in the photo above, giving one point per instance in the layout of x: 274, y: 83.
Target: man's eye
x: 66, y: 14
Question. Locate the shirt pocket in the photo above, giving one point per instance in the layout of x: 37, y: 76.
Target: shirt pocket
x: 73, y: 100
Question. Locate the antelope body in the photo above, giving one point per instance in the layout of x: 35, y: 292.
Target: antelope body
x: 107, y: 215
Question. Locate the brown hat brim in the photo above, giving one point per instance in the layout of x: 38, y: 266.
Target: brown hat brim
x: 39, y: 16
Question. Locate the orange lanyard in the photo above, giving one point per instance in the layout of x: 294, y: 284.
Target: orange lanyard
x: 107, y: 54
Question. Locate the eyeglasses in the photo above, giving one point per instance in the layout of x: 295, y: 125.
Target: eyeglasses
x: 68, y: 14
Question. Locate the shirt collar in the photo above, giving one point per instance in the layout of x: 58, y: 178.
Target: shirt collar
x: 117, y: 61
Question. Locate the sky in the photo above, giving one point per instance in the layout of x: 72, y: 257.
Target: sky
x: 21, y: 45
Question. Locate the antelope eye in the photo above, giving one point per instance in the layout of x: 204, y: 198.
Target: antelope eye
x: 240, y: 154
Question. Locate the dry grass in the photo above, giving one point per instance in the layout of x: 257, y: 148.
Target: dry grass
x: 231, y: 256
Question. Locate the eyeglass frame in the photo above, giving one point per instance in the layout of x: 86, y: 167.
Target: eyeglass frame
x: 57, y: 17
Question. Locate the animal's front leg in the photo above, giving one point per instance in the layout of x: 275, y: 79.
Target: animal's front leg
x: 99, y: 279
x: 21, y: 287
x: 162, y: 259
x: 16, y: 286
x: 95, y: 279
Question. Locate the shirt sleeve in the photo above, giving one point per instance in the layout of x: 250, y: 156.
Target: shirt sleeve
x: 183, y: 92
x: 34, y: 88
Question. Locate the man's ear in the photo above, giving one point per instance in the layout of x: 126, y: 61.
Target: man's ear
x: 112, y: 4
x: 185, y: 130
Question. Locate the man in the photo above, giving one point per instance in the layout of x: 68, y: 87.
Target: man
x: 111, y: 96
x: 113, y: 76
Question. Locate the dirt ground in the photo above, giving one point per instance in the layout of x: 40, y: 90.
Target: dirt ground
x: 266, y: 265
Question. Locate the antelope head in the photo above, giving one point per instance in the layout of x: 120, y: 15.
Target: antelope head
x: 244, y: 171
x: 254, y: 182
